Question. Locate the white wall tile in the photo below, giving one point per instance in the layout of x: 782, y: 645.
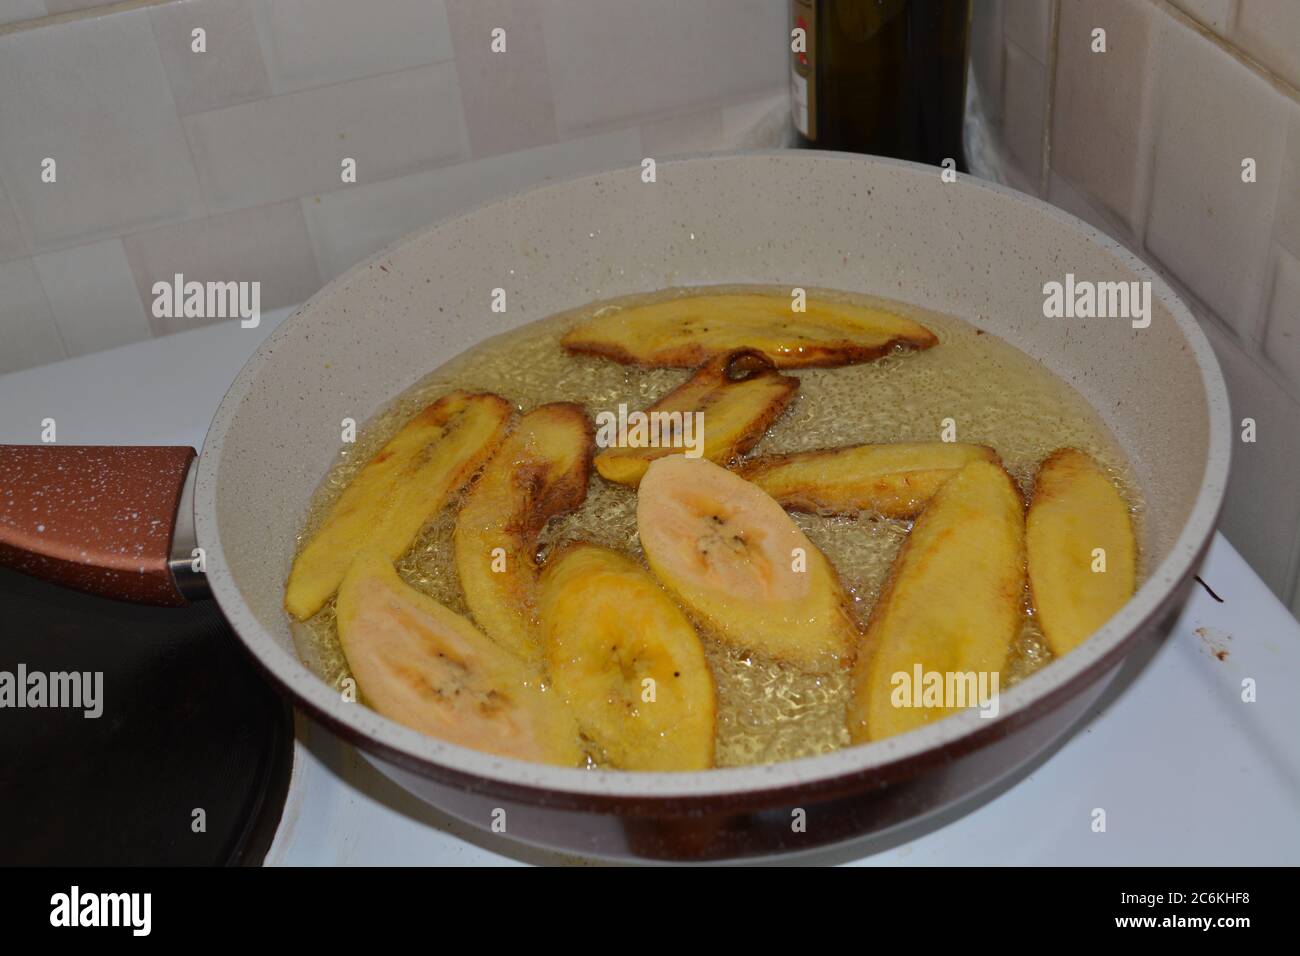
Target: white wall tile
x: 1269, y: 30
x: 1024, y: 112
x: 1287, y: 222
x: 986, y: 56
x: 12, y: 11
x: 1028, y: 24
x: 1295, y: 578
x: 1101, y: 104
x: 27, y: 333
x: 507, y: 96
x: 92, y: 296
x: 68, y: 6
x: 1281, y: 333
x: 690, y: 132
x: 1205, y: 224
x: 761, y: 123
x: 317, y: 42
x: 230, y: 70
x: 350, y: 224
x: 612, y: 62
x: 1261, y: 511
x: 12, y: 245
x: 91, y: 94
x: 266, y: 244
x: 1078, y: 202
x: 1215, y: 14
x: 292, y: 145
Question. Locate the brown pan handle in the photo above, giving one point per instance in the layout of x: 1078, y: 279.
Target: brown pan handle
x: 110, y: 520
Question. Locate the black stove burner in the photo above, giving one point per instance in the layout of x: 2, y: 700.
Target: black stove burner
x: 188, y: 763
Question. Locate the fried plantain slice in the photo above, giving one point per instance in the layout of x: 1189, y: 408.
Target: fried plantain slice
x: 1075, y: 509
x: 952, y: 605
x: 626, y: 661
x: 894, y: 480
x: 397, y: 491
x: 734, y: 557
x: 739, y: 394
x: 423, y: 665
x: 687, y: 331
x: 538, y: 472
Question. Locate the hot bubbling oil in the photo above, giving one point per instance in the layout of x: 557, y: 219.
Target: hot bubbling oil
x: 995, y: 394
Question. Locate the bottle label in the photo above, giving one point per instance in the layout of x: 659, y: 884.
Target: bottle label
x: 803, y: 72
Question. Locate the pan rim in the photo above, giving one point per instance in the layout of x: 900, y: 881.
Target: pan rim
x: 906, y: 753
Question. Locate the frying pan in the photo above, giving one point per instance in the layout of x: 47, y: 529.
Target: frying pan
x: 808, y: 219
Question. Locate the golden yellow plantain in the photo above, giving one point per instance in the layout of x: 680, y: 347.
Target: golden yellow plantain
x: 397, y: 491
x: 1075, y: 509
x: 423, y: 665
x: 734, y: 557
x: 739, y: 394
x: 687, y: 331
x: 538, y: 472
x: 894, y: 480
x: 626, y: 661
x: 953, y: 603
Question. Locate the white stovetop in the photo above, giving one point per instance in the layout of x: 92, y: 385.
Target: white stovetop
x: 1188, y: 773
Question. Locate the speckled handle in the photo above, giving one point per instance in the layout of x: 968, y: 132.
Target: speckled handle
x: 94, y: 518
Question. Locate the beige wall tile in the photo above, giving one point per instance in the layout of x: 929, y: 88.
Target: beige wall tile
x: 231, y: 70
x: 266, y: 244
x: 93, y: 296
x: 13, y: 11
x: 292, y: 145
x: 1205, y: 224
x: 1281, y: 332
x: 986, y: 56
x: 26, y: 326
x: 1261, y: 511
x: 612, y: 62
x: 1269, y: 30
x: 92, y: 95
x: 1100, y: 109
x: 507, y: 96
x: 317, y: 42
x: 1028, y: 24
x: 1024, y: 112
x: 12, y: 245
x: 350, y: 224
x: 1215, y: 14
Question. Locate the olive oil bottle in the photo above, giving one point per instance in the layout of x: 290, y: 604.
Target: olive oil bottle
x: 880, y: 76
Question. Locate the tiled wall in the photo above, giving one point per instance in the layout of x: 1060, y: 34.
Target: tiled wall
x: 226, y: 164
x: 1146, y: 141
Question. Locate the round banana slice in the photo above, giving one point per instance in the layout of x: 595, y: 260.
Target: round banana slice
x: 423, y: 665
x: 627, y: 661
x: 732, y: 555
